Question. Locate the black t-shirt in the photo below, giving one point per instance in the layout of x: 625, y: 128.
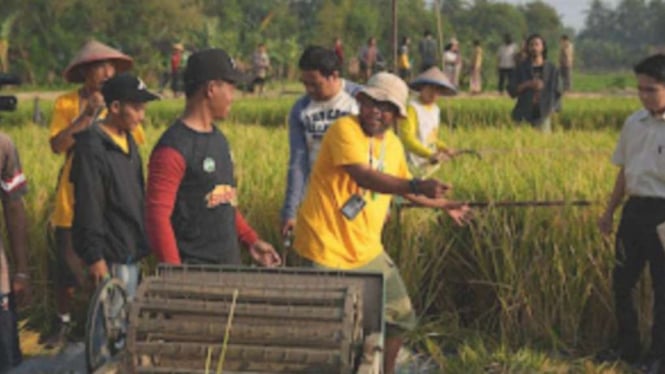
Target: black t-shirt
x: 204, y: 234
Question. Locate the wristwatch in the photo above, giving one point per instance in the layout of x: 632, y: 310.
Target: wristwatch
x: 413, y: 186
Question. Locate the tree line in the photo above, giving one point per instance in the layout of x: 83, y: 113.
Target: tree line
x: 41, y: 36
x: 615, y: 37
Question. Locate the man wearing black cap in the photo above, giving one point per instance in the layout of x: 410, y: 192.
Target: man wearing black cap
x: 108, y: 231
x: 191, y: 214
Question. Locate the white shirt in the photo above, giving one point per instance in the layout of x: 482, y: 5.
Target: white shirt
x: 317, y: 116
x: 507, y: 56
x: 641, y: 152
x: 428, y: 128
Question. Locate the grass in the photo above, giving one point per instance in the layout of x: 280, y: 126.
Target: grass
x: 519, y: 290
x: 606, y: 82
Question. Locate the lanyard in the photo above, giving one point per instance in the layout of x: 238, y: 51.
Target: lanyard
x: 380, y: 161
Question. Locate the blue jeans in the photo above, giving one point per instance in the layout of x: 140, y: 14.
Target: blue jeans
x: 129, y: 275
x: 10, y: 351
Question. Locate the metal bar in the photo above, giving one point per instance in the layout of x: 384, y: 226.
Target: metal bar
x: 320, y: 335
x: 219, y: 308
x: 231, y: 367
x: 246, y: 353
x: 529, y: 203
x: 283, y: 295
x: 507, y: 204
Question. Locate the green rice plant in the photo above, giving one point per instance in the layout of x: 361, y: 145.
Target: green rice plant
x: 577, y: 113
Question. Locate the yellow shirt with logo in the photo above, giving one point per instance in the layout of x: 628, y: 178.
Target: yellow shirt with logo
x: 119, y: 139
x: 322, y: 234
x: 66, y: 109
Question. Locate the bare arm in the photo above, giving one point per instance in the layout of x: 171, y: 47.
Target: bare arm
x: 64, y: 140
x: 15, y: 218
x: 384, y: 183
x: 460, y: 212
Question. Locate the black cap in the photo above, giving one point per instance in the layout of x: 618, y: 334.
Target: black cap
x: 126, y: 87
x: 208, y: 65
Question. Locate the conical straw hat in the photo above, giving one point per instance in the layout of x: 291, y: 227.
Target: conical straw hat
x: 434, y: 76
x: 94, y: 51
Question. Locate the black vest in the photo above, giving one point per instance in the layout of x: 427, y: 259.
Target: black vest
x: 204, y: 235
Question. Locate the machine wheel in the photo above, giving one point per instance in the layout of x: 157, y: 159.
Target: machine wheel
x: 106, y: 324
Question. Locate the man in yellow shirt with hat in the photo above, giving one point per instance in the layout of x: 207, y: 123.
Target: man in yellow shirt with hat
x: 360, y: 164
x: 73, y: 112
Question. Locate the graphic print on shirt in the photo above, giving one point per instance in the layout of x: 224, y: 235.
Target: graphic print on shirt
x: 317, y: 116
x: 222, y: 194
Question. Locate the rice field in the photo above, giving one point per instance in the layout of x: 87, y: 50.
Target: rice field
x: 521, y: 289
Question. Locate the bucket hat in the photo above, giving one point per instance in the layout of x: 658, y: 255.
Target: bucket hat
x: 94, y: 51
x: 435, y: 77
x: 387, y: 87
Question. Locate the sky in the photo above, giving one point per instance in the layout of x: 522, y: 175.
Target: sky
x: 572, y: 11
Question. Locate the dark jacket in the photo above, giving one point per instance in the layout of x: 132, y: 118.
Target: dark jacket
x: 549, y: 97
x: 109, y: 197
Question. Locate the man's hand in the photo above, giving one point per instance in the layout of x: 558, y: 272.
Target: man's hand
x: 461, y: 213
x: 537, y: 84
x: 21, y: 289
x: 94, y: 103
x: 287, y: 227
x: 98, y: 272
x: 440, y: 156
x: 264, y: 253
x: 605, y: 224
x: 432, y: 188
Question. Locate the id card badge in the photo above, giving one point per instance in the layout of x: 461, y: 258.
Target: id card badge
x: 353, y: 206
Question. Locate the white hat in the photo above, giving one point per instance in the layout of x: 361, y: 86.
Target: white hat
x: 387, y: 87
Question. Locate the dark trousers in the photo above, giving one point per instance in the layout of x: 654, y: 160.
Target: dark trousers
x: 504, y: 78
x: 10, y: 351
x: 637, y: 244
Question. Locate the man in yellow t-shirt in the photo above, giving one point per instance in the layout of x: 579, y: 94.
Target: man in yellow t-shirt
x: 74, y: 112
x: 360, y: 164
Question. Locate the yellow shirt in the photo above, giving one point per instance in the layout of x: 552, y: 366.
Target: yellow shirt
x: 322, y: 234
x: 120, y: 140
x: 409, y: 134
x: 404, y: 62
x: 65, y: 111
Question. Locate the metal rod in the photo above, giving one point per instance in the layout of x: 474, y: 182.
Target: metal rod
x: 524, y: 203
